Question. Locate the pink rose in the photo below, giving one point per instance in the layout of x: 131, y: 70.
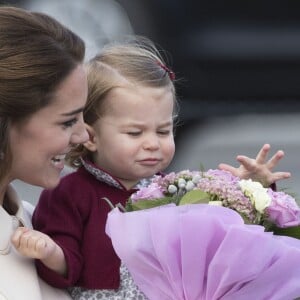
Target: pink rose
x: 283, y: 210
x: 152, y: 191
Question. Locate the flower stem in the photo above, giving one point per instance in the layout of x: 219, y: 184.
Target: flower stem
x: 108, y: 202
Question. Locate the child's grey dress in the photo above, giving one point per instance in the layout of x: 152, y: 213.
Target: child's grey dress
x: 127, y: 290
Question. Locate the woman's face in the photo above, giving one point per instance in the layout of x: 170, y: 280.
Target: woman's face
x: 40, y: 143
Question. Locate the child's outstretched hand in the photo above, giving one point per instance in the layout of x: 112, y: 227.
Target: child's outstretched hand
x: 258, y: 169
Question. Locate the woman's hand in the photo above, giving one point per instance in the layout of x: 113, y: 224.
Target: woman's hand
x: 258, y: 169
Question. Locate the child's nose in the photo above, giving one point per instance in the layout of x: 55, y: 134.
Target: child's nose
x: 151, y: 143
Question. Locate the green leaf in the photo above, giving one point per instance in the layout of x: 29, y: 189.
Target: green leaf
x: 289, y: 231
x: 144, y: 204
x: 194, y: 197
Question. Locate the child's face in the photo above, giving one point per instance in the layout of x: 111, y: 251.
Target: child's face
x: 134, y: 139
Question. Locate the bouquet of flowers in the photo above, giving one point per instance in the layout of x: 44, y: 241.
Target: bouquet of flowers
x: 209, y: 235
x: 256, y: 204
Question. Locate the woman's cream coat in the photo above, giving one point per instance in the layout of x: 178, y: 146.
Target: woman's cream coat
x: 18, y: 276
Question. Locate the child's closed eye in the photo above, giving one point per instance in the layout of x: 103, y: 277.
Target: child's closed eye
x: 134, y: 133
x: 164, y: 132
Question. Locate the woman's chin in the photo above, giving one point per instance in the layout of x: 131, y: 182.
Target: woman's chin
x: 49, y: 182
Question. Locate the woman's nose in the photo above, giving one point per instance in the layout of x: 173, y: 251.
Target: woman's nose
x: 80, y: 135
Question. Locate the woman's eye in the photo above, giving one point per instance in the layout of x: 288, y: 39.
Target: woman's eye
x: 70, y: 123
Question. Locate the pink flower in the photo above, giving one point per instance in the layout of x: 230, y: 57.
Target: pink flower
x: 283, y: 210
x: 152, y: 191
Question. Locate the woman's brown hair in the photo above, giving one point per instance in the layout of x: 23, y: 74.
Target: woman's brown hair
x: 36, y: 54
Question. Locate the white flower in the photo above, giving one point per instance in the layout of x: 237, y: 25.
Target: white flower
x: 189, y: 185
x: 181, y: 183
x: 172, y: 189
x: 261, y: 200
x: 196, y: 178
x: 257, y: 194
x: 249, y: 185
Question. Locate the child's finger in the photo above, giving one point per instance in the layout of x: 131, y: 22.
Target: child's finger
x: 40, y: 245
x: 280, y: 175
x: 263, y: 153
x: 227, y: 167
x: 40, y: 248
x: 248, y: 163
x: 17, y: 236
x: 31, y: 241
x: 274, y: 160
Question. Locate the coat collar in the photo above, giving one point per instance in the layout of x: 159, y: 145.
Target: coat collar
x: 9, y: 223
x: 103, y: 176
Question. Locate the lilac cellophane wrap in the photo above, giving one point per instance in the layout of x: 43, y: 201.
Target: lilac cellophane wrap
x: 201, y: 251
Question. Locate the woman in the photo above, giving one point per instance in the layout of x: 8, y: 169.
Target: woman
x: 42, y: 96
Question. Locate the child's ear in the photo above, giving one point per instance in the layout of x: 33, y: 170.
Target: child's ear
x: 90, y: 144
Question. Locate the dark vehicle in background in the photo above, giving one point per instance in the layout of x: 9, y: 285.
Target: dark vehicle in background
x: 233, y: 56
x: 230, y: 56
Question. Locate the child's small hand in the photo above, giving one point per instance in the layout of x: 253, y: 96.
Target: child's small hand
x: 32, y: 243
x: 258, y: 169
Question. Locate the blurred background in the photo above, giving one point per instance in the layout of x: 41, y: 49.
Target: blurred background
x: 237, y: 65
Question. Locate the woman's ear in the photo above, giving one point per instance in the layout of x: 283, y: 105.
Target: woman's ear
x: 90, y: 144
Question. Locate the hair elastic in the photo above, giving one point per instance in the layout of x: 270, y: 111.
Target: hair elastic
x: 169, y: 71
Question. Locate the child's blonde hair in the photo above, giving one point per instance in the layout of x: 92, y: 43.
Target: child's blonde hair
x: 135, y: 60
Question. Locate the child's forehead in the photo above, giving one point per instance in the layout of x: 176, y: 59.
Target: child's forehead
x: 128, y: 101
x: 140, y: 89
